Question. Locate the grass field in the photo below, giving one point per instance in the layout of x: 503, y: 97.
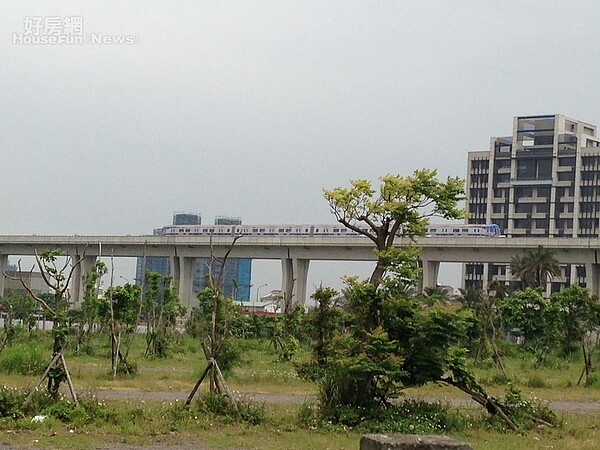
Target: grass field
x: 148, y: 421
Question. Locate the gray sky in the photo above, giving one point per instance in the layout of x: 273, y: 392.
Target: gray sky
x: 252, y: 108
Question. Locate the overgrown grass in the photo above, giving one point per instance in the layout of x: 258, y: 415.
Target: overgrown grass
x: 273, y: 426
x: 23, y: 359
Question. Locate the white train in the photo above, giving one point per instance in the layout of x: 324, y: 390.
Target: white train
x: 462, y: 230
x: 456, y: 230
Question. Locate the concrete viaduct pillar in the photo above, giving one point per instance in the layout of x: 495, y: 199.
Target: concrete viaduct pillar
x: 182, y: 271
x: 429, y: 274
x: 294, y: 273
x: 3, y: 264
x: 592, y: 278
x: 79, y: 272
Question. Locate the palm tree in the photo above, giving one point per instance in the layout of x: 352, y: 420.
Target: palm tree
x: 535, y: 267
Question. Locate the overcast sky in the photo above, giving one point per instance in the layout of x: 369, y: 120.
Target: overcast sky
x: 250, y: 109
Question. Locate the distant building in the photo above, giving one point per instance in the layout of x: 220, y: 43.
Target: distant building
x: 542, y: 181
x: 186, y: 218
x: 34, y: 280
x: 224, y: 220
x: 237, y: 275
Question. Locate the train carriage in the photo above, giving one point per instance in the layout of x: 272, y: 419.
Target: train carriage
x: 433, y: 230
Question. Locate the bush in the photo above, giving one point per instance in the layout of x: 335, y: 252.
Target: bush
x: 66, y: 411
x: 522, y: 412
x: 230, y: 355
x: 409, y: 416
x: 42, y: 403
x: 23, y: 359
x: 221, y: 406
x: 536, y: 381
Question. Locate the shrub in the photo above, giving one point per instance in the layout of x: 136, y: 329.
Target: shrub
x: 230, y: 355
x: 22, y: 359
x: 221, y: 406
x: 69, y: 412
x: 536, y: 381
x: 522, y: 412
x: 409, y: 416
x: 289, y: 349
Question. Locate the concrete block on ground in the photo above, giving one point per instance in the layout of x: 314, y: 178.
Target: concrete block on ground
x: 411, y: 442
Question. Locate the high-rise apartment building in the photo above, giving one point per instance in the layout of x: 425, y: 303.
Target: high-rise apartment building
x: 237, y: 275
x: 542, y: 181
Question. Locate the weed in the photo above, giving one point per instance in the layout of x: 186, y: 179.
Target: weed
x: 223, y: 407
x: 23, y: 359
x: 535, y: 380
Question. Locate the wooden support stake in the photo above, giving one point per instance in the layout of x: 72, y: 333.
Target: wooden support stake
x: 198, y: 383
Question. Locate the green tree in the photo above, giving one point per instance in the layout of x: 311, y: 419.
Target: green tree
x: 401, y: 207
x: 16, y: 307
x: 86, y: 317
x: 535, y: 267
x: 580, y: 318
x: 394, y: 341
x: 322, y: 322
x: 161, y: 308
x: 409, y: 345
x: 536, y: 317
x: 122, y: 309
x: 56, y: 273
x: 486, y: 321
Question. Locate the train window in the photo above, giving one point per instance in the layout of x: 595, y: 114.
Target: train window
x: 288, y: 230
x: 433, y: 230
x: 262, y: 230
x: 336, y: 230
x: 456, y: 230
x: 281, y: 230
x: 465, y: 230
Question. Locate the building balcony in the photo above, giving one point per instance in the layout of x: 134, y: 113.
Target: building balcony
x: 564, y: 168
x: 539, y: 215
x: 532, y: 182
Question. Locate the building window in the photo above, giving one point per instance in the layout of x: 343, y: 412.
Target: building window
x: 566, y: 176
x: 543, y: 192
x: 588, y: 176
x: 587, y: 191
x: 523, y: 208
x: 523, y: 192
x: 542, y: 208
x: 534, y: 169
x: 522, y: 223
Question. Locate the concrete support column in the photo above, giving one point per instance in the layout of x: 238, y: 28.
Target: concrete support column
x: 3, y: 264
x: 301, y: 272
x: 287, y: 278
x: 429, y: 275
x: 77, y: 283
x: 175, y: 269
x: 592, y: 278
x: 294, y: 273
x: 182, y: 271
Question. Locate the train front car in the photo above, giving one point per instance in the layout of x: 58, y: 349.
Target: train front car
x: 462, y: 230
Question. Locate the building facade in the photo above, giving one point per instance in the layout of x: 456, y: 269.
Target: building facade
x: 237, y: 273
x: 541, y: 181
